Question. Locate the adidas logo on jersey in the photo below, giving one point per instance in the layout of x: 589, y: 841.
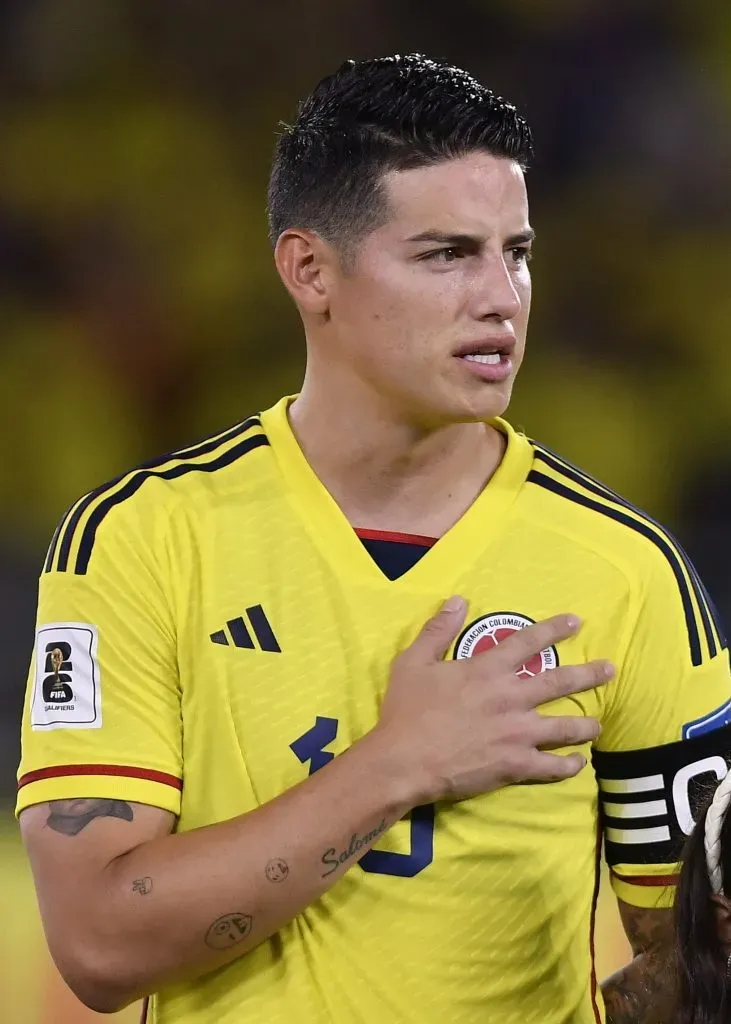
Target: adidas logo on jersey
x: 238, y: 633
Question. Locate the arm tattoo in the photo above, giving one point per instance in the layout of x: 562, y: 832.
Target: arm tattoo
x: 646, y: 929
x: 228, y: 930
x: 69, y: 817
x: 643, y: 992
x: 143, y: 886
x: 334, y: 858
x: 277, y: 870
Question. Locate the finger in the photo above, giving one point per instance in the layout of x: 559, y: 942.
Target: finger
x: 552, y: 732
x: 524, y: 643
x: 440, y: 631
x: 542, y: 767
x: 565, y: 680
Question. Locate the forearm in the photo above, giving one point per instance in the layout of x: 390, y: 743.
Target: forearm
x: 643, y: 992
x: 187, y: 903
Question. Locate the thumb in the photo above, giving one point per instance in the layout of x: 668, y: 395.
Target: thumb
x: 440, y: 630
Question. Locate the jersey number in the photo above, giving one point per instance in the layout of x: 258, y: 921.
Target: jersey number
x: 310, y: 748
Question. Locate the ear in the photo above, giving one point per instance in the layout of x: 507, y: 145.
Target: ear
x: 723, y: 920
x: 306, y: 265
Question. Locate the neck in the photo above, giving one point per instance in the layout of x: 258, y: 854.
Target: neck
x: 382, y: 470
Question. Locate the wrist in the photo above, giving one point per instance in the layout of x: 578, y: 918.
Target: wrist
x: 395, y: 774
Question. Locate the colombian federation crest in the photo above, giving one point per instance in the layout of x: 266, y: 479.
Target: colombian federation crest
x: 490, y: 630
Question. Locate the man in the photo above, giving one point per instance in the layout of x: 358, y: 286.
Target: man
x: 265, y: 790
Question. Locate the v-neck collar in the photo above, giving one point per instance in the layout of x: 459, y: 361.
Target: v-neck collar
x: 338, y: 541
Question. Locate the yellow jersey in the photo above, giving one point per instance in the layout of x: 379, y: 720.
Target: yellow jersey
x: 211, y: 629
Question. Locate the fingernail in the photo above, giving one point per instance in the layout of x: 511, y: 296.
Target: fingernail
x: 454, y: 604
x: 573, y: 621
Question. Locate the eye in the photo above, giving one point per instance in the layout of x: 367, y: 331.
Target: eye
x: 520, y: 254
x: 449, y: 254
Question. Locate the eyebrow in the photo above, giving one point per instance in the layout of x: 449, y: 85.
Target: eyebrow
x: 468, y: 241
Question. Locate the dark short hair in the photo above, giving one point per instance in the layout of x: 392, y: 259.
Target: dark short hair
x: 375, y: 116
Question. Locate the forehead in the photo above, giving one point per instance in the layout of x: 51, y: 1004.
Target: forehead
x: 478, y: 191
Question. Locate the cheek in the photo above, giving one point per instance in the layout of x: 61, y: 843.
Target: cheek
x: 398, y: 315
x: 524, y: 289
x: 370, y: 303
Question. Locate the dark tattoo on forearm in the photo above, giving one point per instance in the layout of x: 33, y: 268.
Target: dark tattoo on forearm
x: 647, y: 929
x: 334, y: 859
x: 641, y: 993
x: 644, y: 992
x: 276, y: 870
x: 622, y: 1001
x: 69, y: 817
x: 228, y: 930
x: 143, y: 886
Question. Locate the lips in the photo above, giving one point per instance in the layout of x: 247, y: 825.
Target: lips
x: 503, y: 345
x: 488, y: 359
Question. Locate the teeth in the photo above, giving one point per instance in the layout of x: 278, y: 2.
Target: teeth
x: 490, y: 357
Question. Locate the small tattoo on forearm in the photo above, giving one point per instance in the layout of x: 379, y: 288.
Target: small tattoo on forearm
x: 277, y: 870
x: 69, y: 817
x: 228, y: 930
x: 334, y: 859
x: 143, y: 886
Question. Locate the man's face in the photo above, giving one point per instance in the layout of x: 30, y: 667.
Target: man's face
x: 435, y: 309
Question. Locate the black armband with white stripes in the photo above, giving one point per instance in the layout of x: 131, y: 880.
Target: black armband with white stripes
x: 649, y: 798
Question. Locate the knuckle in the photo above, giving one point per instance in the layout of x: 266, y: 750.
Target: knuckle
x: 550, y: 766
x: 558, y: 681
x: 574, y: 677
x: 515, y: 731
x: 501, y: 704
x: 431, y: 627
x: 565, y: 734
x: 511, y: 767
x: 580, y: 730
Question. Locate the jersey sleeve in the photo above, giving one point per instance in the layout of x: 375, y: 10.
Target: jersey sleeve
x: 102, y: 714
x: 666, y: 735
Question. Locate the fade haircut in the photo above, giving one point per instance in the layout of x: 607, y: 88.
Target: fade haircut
x: 375, y: 116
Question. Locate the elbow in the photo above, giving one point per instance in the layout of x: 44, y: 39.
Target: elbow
x: 96, y: 982
x: 102, y: 995
x: 98, y: 999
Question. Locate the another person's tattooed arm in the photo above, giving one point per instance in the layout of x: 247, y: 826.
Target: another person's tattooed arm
x: 644, y: 992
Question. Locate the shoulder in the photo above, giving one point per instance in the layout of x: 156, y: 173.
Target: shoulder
x: 142, y: 498
x: 570, y: 500
x: 665, y: 582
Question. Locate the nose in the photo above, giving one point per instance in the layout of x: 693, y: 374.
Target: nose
x: 496, y: 296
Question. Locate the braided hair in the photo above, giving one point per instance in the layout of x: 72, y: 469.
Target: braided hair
x: 704, y: 969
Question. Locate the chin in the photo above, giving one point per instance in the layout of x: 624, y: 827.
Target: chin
x: 464, y: 409
x: 489, y: 402
x: 441, y: 406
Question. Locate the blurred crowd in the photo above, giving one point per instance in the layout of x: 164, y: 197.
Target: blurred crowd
x: 139, y: 308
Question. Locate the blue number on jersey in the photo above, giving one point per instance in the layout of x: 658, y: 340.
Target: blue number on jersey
x: 406, y: 865
x: 309, y: 747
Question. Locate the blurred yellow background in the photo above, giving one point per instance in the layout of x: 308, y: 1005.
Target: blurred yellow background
x: 139, y: 308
